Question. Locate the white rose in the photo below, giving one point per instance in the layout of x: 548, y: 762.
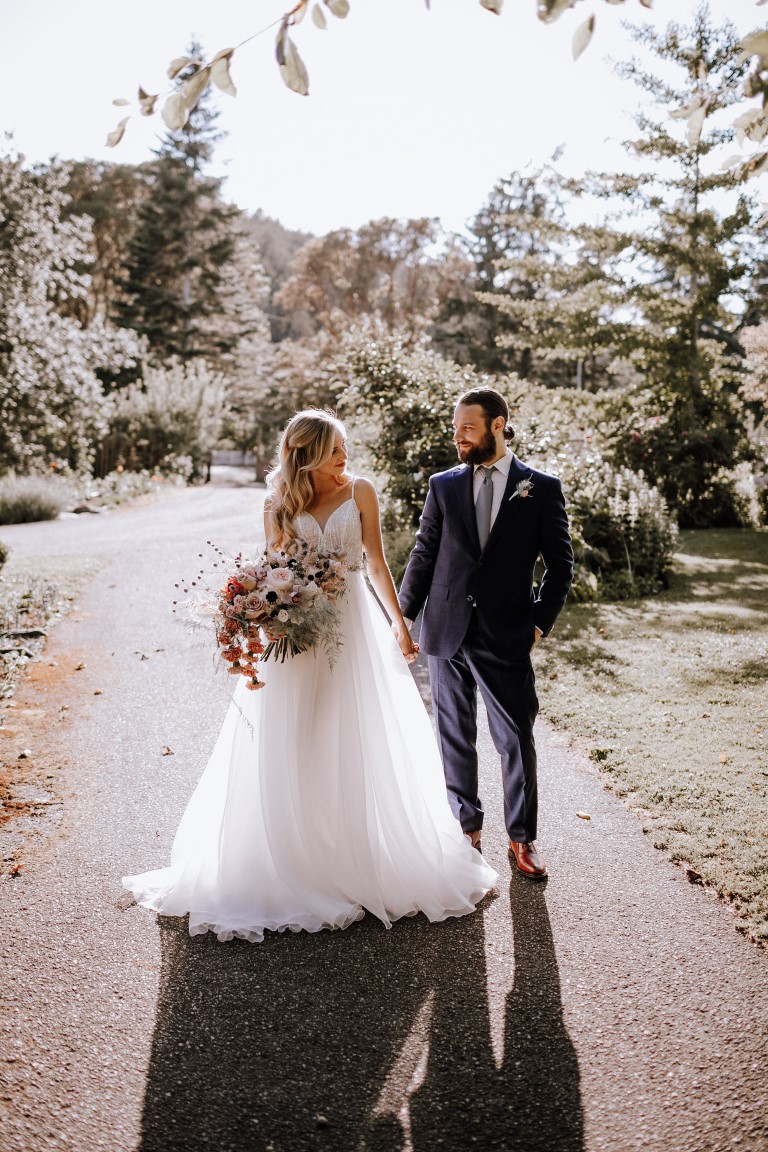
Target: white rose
x: 281, y: 579
x: 283, y: 616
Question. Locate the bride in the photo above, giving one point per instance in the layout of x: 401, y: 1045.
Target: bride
x: 324, y: 796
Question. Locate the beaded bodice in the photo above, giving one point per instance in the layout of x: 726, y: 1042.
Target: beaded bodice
x: 342, y: 530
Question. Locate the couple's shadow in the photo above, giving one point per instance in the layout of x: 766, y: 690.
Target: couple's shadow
x: 364, y: 1040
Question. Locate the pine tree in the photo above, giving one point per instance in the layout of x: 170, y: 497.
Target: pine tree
x: 183, y: 240
x: 554, y: 292
x: 684, y: 262
x: 539, y: 303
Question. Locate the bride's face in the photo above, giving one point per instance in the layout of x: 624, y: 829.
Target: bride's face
x: 335, y: 467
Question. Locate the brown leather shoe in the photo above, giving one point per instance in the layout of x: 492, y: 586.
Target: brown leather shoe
x: 474, y: 839
x: 527, y: 859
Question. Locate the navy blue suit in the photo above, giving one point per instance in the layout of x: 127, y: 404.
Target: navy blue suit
x: 480, y: 616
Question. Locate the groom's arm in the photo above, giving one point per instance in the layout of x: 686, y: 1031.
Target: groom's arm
x: 417, y: 580
x: 557, y: 553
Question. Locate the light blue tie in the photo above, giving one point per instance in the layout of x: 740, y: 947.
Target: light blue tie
x: 483, y: 505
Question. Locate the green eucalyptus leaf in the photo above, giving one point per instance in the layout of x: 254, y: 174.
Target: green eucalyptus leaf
x: 220, y: 75
x: 178, y: 64
x: 175, y: 112
x: 339, y: 8
x: 582, y: 36
x: 114, y: 137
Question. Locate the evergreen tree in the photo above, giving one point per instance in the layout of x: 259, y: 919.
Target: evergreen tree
x: 248, y: 365
x: 555, y: 291
x: 183, y: 240
x: 684, y: 263
x: 540, y: 301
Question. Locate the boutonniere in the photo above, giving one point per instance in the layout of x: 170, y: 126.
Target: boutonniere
x: 523, y: 489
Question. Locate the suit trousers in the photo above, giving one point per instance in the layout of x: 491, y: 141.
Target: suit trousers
x: 508, y: 689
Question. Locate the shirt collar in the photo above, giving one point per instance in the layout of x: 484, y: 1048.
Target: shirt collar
x: 503, y: 465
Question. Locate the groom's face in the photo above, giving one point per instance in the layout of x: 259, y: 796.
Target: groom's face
x: 473, y: 437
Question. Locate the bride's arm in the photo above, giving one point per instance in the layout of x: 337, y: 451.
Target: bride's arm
x: 377, y: 567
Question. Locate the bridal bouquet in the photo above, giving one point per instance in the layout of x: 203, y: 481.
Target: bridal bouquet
x: 279, y: 605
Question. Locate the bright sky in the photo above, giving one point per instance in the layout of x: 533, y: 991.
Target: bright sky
x: 410, y: 113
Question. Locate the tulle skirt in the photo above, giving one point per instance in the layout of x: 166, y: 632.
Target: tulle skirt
x: 324, y: 798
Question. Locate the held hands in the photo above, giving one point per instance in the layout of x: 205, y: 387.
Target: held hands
x: 408, y: 647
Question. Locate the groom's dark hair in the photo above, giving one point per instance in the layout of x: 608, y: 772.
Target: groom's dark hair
x: 493, y: 404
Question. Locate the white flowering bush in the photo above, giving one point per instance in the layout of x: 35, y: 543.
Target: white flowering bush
x: 167, y: 422
x: 51, y: 401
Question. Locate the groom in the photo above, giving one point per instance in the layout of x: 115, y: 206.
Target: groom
x: 484, y: 525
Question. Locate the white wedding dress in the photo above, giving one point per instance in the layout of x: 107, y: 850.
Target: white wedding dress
x: 324, y: 796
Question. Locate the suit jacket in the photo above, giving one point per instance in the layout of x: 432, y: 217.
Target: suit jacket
x: 448, y: 571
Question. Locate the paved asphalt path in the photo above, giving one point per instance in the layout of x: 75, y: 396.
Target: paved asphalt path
x: 613, y: 1007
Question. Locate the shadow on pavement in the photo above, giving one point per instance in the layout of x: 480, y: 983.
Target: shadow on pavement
x: 361, y: 1040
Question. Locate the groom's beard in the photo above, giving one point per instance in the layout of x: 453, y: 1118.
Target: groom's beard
x: 478, y: 453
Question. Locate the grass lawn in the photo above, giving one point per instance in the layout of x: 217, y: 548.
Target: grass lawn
x: 671, y: 694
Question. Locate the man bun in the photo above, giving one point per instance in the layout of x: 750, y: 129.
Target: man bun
x: 493, y: 405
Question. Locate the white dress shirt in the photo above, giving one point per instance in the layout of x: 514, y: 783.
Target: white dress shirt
x: 499, y: 480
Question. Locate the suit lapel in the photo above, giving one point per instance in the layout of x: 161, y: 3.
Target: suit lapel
x: 467, y: 504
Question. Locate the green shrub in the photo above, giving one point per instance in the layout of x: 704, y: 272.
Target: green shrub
x: 402, y: 400
x: 686, y: 444
x: 27, y: 498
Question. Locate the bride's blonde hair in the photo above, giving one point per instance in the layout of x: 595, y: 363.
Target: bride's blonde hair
x: 307, y: 443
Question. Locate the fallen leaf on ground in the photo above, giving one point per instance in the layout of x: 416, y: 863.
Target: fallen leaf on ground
x: 16, y: 870
x: 693, y: 875
x: 97, y: 692
x: 583, y: 815
x: 79, y: 667
x: 167, y: 751
x: 25, y: 754
x: 723, y: 759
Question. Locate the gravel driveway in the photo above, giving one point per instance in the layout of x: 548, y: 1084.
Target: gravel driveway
x: 613, y: 1007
